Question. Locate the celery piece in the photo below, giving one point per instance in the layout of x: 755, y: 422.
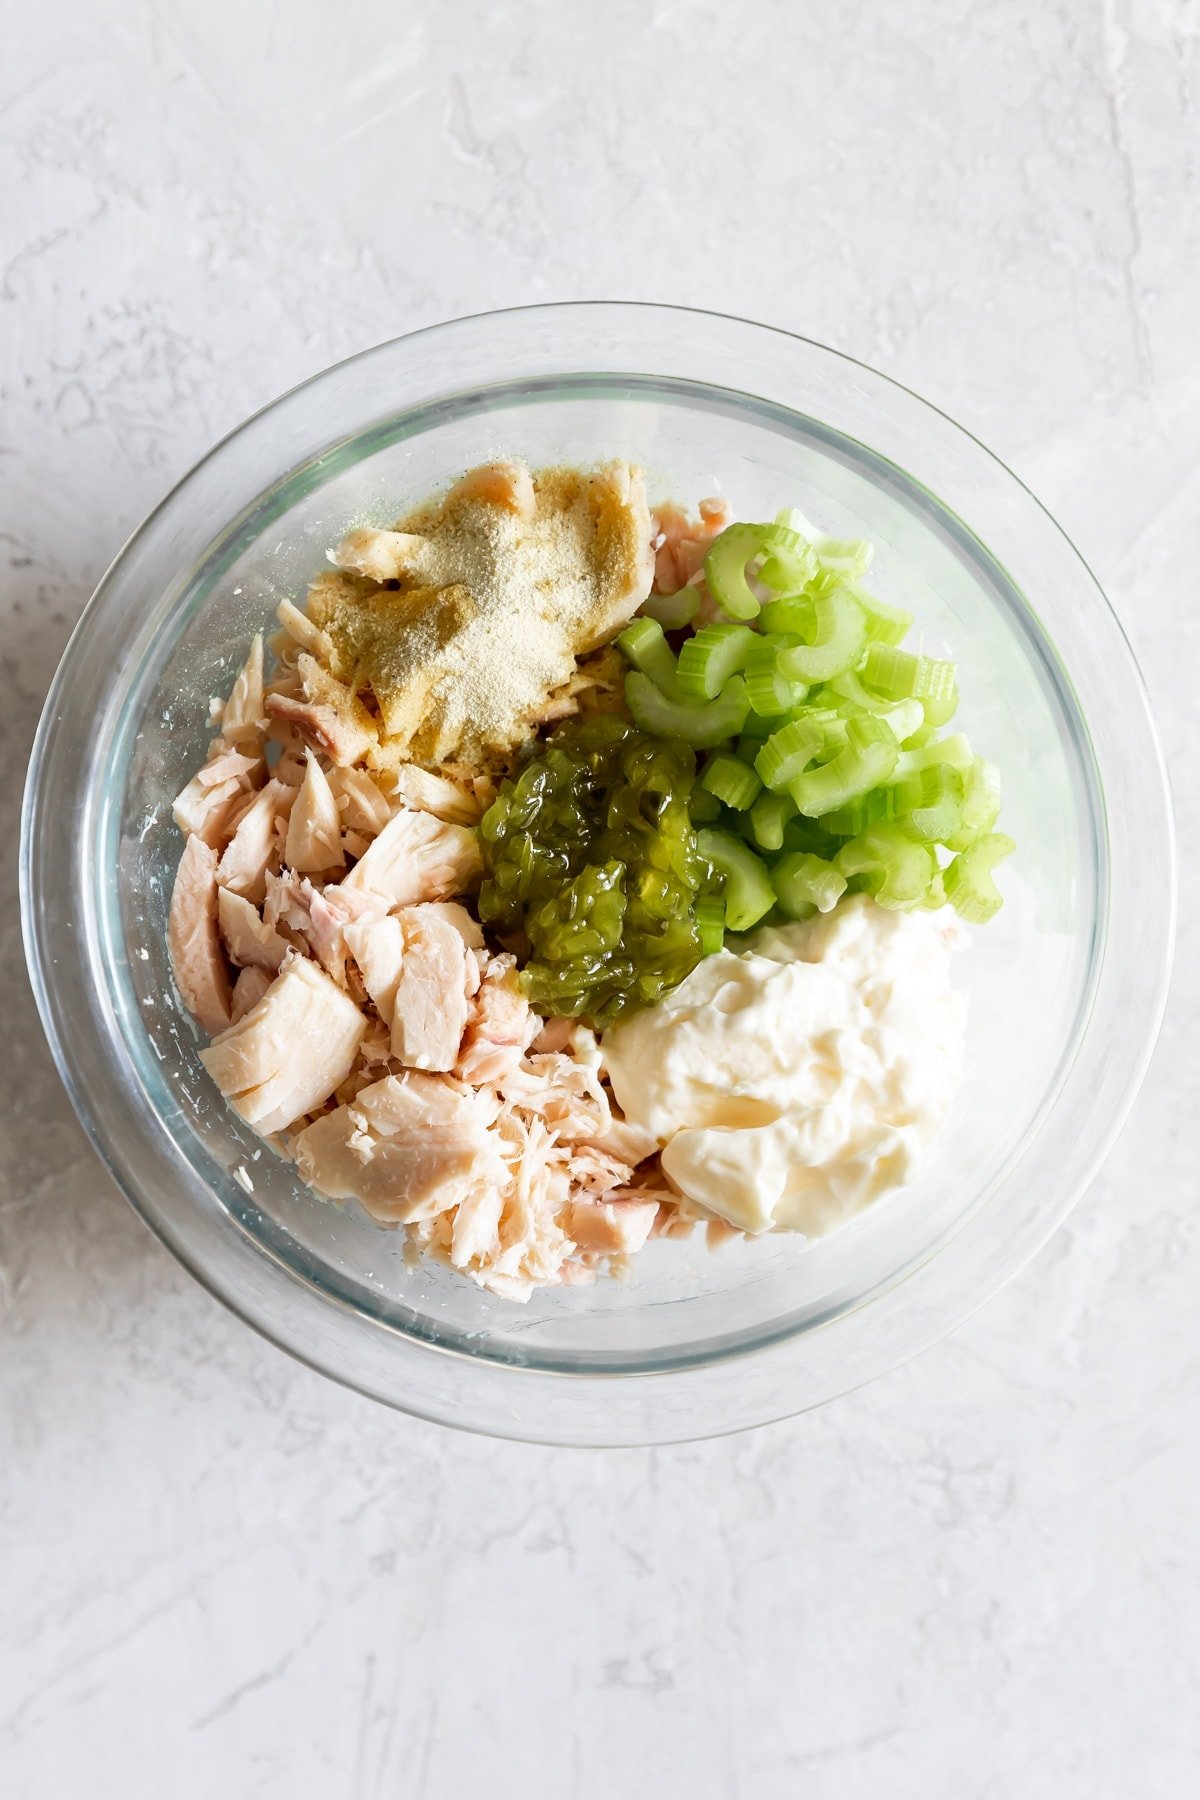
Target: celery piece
x: 749, y: 895
x: 708, y: 659
x: 700, y: 726
x: 839, y: 637
x: 803, y: 881
x: 733, y: 782
x: 894, y: 867
x: 868, y: 759
x: 970, y: 887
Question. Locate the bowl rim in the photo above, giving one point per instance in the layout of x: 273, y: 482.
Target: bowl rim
x: 654, y: 1423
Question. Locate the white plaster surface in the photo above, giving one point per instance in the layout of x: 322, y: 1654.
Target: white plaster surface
x: 221, y: 1575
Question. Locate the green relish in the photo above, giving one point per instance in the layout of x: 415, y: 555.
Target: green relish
x: 593, y: 869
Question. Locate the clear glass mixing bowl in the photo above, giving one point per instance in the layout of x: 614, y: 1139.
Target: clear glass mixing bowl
x: 1066, y: 986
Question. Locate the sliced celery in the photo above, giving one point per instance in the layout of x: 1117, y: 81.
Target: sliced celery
x: 895, y: 868
x: 794, y: 616
x: 955, y: 750
x: 788, y: 752
x: 703, y: 807
x: 708, y: 659
x: 879, y: 807
x: 770, y: 691
x: 701, y: 726
x: 729, y: 555
x: 981, y: 804
x: 749, y: 895
x: 869, y: 758
x: 839, y: 637
x: 673, y: 611
x: 642, y: 643
x: 768, y: 817
x: 970, y: 888
x: 710, y: 922
x: 932, y: 803
x: 732, y: 781
x: 803, y: 881
x: 902, y: 676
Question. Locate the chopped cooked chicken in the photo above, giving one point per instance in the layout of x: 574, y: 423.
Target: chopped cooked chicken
x: 290, y: 1051
x: 243, y: 718
x: 429, y: 1000
x: 499, y: 1028
x: 335, y: 723
x: 249, y: 988
x: 249, y: 940
x: 418, y: 857
x: 211, y: 799
x: 426, y: 792
x: 407, y: 1146
x: 300, y: 628
x: 613, y: 1227
x: 362, y: 806
x: 254, y: 846
x: 377, y: 946
x: 314, y: 832
x: 198, y: 962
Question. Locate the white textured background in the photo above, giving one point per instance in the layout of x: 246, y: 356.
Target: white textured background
x: 223, y: 1577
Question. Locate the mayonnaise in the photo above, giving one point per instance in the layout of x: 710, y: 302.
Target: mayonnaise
x: 791, y: 1085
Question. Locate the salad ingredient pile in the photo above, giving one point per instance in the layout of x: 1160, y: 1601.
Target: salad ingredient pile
x: 471, y: 864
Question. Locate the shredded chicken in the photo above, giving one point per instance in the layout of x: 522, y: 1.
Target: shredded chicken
x: 197, y: 958
x: 290, y: 1051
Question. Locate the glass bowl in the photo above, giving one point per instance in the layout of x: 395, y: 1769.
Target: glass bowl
x: 1066, y: 986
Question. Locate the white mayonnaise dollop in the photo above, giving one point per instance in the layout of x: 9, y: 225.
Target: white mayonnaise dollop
x: 792, y: 1085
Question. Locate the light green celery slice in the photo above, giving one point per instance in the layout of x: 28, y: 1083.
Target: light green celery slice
x: 731, y: 781
x: 868, y: 759
x: 788, y: 752
x: 896, y: 869
x: 981, y: 804
x: 955, y: 750
x: 708, y: 659
x: 673, y: 611
x: 642, y: 643
x: 794, y: 617
x: 701, y: 726
x: 803, y: 881
x: 710, y: 922
x: 748, y: 893
x: 704, y: 808
x: 901, y: 675
x: 768, y: 817
x: 840, y: 635
x: 731, y: 553
x: 932, y: 803
x: 970, y: 887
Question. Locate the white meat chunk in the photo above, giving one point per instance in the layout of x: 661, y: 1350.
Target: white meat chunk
x: 207, y: 805
x: 427, y: 792
x: 244, y: 718
x: 197, y: 959
x: 613, y: 1227
x: 383, y: 555
x: 290, y: 1051
x: 430, y: 999
x: 409, y: 1147
x: 250, y: 941
x: 418, y: 857
x: 362, y: 806
x: 377, y: 946
x: 249, y: 988
x: 254, y: 845
x: 314, y: 832
x: 499, y: 1029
